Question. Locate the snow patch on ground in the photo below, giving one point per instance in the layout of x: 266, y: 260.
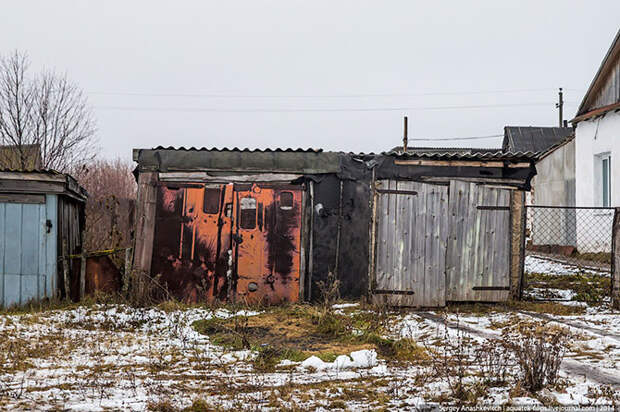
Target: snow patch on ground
x: 116, y: 357
x: 358, y: 359
x: 534, y: 264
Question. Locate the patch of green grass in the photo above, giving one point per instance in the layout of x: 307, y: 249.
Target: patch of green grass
x: 589, y: 288
x: 268, y: 357
x: 296, y: 332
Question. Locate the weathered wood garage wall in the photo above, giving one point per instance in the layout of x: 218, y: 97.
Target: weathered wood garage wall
x: 477, y: 263
x: 412, y: 229
x: 340, y: 199
x: 442, y: 242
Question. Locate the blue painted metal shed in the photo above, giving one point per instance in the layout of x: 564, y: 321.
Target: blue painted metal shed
x: 41, y: 220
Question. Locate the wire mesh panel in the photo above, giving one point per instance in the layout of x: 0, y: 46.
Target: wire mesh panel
x: 568, y: 253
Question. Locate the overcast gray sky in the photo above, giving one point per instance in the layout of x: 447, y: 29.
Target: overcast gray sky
x: 332, y: 74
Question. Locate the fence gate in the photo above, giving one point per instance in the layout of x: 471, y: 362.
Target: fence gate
x: 477, y: 267
x: 411, y: 221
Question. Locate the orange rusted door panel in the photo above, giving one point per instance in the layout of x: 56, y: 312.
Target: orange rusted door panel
x: 227, y: 242
x: 268, y: 243
x: 192, y: 238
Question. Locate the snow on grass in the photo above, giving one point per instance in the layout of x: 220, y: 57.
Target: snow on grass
x: 534, y: 264
x: 551, y: 294
x: 358, y: 359
x: 117, y: 357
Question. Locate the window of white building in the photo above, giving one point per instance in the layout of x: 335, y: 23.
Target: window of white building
x: 606, y: 179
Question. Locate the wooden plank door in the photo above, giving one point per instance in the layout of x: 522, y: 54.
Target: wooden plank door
x: 478, y: 266
x: 411, y: 230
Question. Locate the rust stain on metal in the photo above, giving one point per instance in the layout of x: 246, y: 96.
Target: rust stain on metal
x: 102, y: 275
x: 229, y: 242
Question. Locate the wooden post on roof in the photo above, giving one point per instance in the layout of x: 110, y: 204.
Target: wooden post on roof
x: 405, y: 137
x: 615, y: 260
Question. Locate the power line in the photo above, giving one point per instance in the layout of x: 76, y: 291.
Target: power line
x: 302, y: 96
x: 446, y: 139
x: 289, y: 110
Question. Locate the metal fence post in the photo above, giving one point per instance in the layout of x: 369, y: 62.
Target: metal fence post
x: 615, y: 260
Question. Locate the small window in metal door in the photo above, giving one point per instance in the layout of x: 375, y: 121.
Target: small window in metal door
x: 211, y: 202
x: 286, y: 200
x: 247, y: 218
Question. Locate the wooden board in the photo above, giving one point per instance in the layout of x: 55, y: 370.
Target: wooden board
x: 411, y: 230
x: 478, y: 255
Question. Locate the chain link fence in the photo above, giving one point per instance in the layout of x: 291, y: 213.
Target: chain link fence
x: 568, y: 253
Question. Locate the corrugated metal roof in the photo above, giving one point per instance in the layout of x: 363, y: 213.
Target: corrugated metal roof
x: 42, y: 171
x: 605, y: 65
x: 422, y: 149
x: 537, y: 140
x: 460, y: 155
x: 308, y: 161
x: 236, y: 149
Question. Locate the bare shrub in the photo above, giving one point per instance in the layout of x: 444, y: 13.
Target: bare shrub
x: 451, y: 359
x: 329, y: 290
x: 110, y: 207
x: 538, y: 350
x: 493, y: 359
x: 327, y: 321
x: 145, y: 290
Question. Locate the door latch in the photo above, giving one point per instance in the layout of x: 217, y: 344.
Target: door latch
x: 48, y: 226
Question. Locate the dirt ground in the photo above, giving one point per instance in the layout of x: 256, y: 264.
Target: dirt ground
x: 335, y: 356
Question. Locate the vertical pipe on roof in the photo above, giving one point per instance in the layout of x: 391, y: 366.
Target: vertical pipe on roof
x: 405, y: 137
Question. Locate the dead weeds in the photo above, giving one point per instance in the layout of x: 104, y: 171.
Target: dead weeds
x: 296, y: 332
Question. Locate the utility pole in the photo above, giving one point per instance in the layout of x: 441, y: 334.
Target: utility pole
x: 560, y: 106
x: 405, y: 135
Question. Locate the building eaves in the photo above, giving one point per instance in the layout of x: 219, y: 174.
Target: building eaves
x: 613, y: 49
x: 596, y: 112
x: 51, y: 176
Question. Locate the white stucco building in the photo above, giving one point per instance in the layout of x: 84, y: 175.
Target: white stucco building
x: 597, y: 136
x: 597, y: 151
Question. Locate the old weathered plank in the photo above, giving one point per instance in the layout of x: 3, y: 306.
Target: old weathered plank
x: 411, y: 220
x: 145, y: 227
x: 479, y: 241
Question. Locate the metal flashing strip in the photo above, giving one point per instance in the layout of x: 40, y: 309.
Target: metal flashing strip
x: 398, y: 192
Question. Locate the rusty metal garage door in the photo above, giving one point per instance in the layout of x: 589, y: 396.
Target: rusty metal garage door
x: 411, y: 227
x: 477, y: 263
